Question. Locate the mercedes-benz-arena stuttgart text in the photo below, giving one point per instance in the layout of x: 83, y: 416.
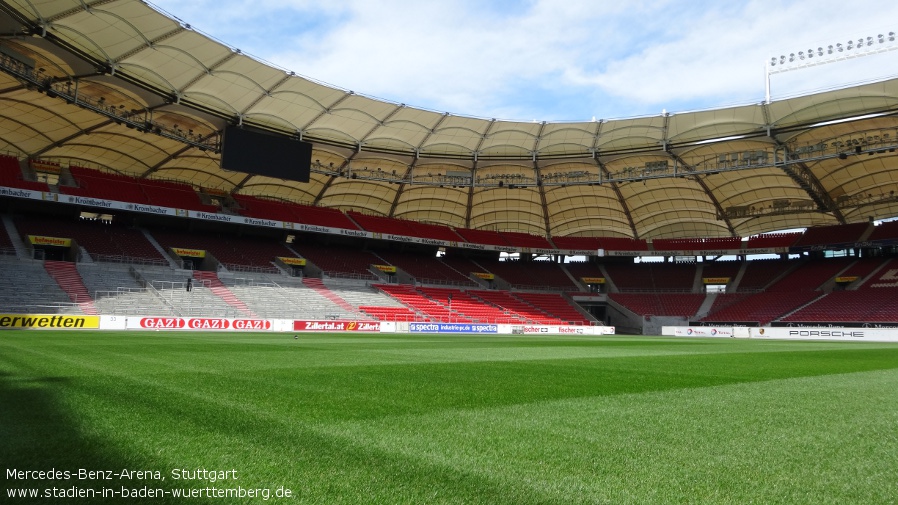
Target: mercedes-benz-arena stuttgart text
x: 57, y: 484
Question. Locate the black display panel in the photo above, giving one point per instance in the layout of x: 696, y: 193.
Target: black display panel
x: 262, y: 153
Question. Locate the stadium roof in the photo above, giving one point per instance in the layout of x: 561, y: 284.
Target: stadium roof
x: 117, y: 85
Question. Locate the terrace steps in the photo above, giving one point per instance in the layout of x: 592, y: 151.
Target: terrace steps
x: 66, y: 275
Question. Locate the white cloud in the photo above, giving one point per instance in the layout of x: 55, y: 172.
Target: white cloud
x: 545, y: 59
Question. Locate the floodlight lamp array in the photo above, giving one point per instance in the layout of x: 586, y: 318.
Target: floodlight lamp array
x: 851, y: 48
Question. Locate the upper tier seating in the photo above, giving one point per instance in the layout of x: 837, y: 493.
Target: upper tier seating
x: 11, y: 175
x: 697, y: 244
x: 263, y: 208
x: 482, y: 237
x: 434, y: 231
x: 885, y: 231
x: 578, y: 243
x: 174, y: 195
x: 772, y: 240
x: 379, y: 224
x: 518, y: 239
x: 105, y: 186
x: 323, y: 216
x: 835, y: 234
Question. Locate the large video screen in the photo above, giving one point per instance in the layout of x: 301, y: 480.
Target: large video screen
x: 261, y: 153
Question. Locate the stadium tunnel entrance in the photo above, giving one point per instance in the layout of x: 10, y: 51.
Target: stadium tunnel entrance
x: 53, y: 248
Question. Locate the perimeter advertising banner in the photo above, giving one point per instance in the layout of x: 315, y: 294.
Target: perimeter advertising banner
x: 365, y: 326
x: 698, y: 331
x: 542, y: 329
x: 452, y: 328
x: 188, y: 253
x: 198, y: 323
x: 48, y: 321
x: 843, y: 334
x: 49, y: 241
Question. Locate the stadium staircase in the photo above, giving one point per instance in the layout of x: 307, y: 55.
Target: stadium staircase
x: 222, y: 291
x: 14, y: 238
x: 66, y: 275
x: 158, y: 247
x: 321, y: 289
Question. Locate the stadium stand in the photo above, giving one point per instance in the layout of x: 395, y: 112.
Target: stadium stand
x: 527, y: 240
x: 578, y: 243
x: 580, y: 269
x: 757, y: 308
x: 66, y: 275
x: 426, y: 269
x: 103, y: 240
x: 211, y: 281
x: 863, y: 306
x: 721, y: 269
x: 760, y: 273
x: 884, y: 277
x: 104, y: 185
x: 836, y: 234
x: 482, y: 237
x: 434, y: 231
x: 887, y: 231
x: 174, y: 195
x: 772, y: 240
x: 667, y: 304
x: 339, y: 261
x: 264, y: 208
x: 379, y: 224
x: 322, y: 216
x: 26, y: 287
x: 810, y: 275
x: 116, y: 291
x: 533, y: 275
x: 11, y: 175
x: 319, y: 287
x: 555, y: 306
x: 238, y: 253
x: 644, y: 277
x: 431, y: 309
x: 697, y: 244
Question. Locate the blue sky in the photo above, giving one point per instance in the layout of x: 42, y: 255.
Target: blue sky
x: 551, y: 60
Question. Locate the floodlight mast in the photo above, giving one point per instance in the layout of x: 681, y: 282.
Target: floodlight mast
x: 854, y: 48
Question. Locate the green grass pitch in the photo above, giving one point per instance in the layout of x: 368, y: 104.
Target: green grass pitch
x: 384, y: 419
